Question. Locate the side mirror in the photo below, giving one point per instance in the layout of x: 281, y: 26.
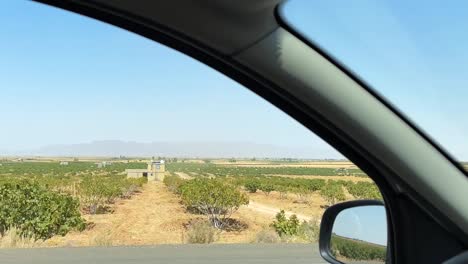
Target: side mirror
x: 354, y: 232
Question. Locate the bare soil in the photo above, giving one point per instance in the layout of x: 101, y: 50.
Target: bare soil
x: 155, y: 216
x: 313, y: 209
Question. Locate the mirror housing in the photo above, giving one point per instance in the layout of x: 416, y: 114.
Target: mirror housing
x: 328, y: 220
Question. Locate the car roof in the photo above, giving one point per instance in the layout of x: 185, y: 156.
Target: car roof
x: 224, y: 25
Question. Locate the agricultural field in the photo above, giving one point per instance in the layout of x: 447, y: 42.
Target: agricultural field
x: 82, y: 203
x: 42, y: 199
x: 352, y: 250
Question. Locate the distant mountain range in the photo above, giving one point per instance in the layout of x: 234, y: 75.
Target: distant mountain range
x: 114, y: 148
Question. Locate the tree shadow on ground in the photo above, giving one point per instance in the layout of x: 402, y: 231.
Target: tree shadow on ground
x: 234, y: 225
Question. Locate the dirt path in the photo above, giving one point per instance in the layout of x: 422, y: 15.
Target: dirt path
x: 152, y: 217
x: 184, y: 175
x: 272, y: 211
x: 155, y: 216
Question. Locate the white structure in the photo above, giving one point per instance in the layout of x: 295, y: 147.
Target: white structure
x: 155, y: 171
x: 103, y: 164
x: 64, y: 163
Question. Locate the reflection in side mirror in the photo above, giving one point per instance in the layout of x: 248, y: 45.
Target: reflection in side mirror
x: 354, y: 232
x: 360, y: 233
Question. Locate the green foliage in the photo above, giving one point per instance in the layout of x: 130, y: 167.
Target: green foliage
x: 95, y: 187
x: 267, y: 188
x: 214, y: 198
x: 205, y: 169
x: 37, y: 212
x: 315, y: 184
x: 284, y: 226
x: 263, y: 178
x: 364, y: 190
x: 252, y: 186
x: 333, y: 193
x: 43, y: 199
x: 283, y: 185
x: 283, y: 191
x: 173, y: 183
x: 35, y: 169
x: 356, y: 249
x: 96, y: 192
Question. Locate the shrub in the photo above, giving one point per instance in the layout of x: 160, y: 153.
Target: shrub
x: 284, y: 226
x: 315, y: 184
x: 201, y: 232
x: 173, y: 183
x: 303, y: 195
x: 96, y: 192
x: 283, y: 192
x: 252, y: 186
x: 213, y: 198
x: 357, y: 249
x: 309, y: 231
x: 37, y: 212
x: 267, y: 188
x: 267, y: 236
x: 364, y: 190
x: 332, y: 193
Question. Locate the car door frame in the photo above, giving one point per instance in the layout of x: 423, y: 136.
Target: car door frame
x: 400, y: 199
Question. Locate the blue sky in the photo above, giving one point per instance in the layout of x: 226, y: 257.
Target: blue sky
x: 367, y: 223
x: 413, y: 52
x: 68, y: 79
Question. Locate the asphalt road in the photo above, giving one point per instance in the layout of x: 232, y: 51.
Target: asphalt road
x: 174, y: 254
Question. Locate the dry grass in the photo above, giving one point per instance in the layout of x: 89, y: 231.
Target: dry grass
x: 12, y: 239
x: 201, y: 232
x: 102, y: 240
x: 255, y: 221
x: 153, y: 216
x: 267, y: 236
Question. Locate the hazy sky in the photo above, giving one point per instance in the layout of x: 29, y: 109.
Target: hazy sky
x: 67, y: 79
x: 413, y: 52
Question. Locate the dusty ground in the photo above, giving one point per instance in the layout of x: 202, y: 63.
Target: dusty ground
x: 152, y: 217
x: 312, y: 209
x: 155, y: 216
x: 273, y: 210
